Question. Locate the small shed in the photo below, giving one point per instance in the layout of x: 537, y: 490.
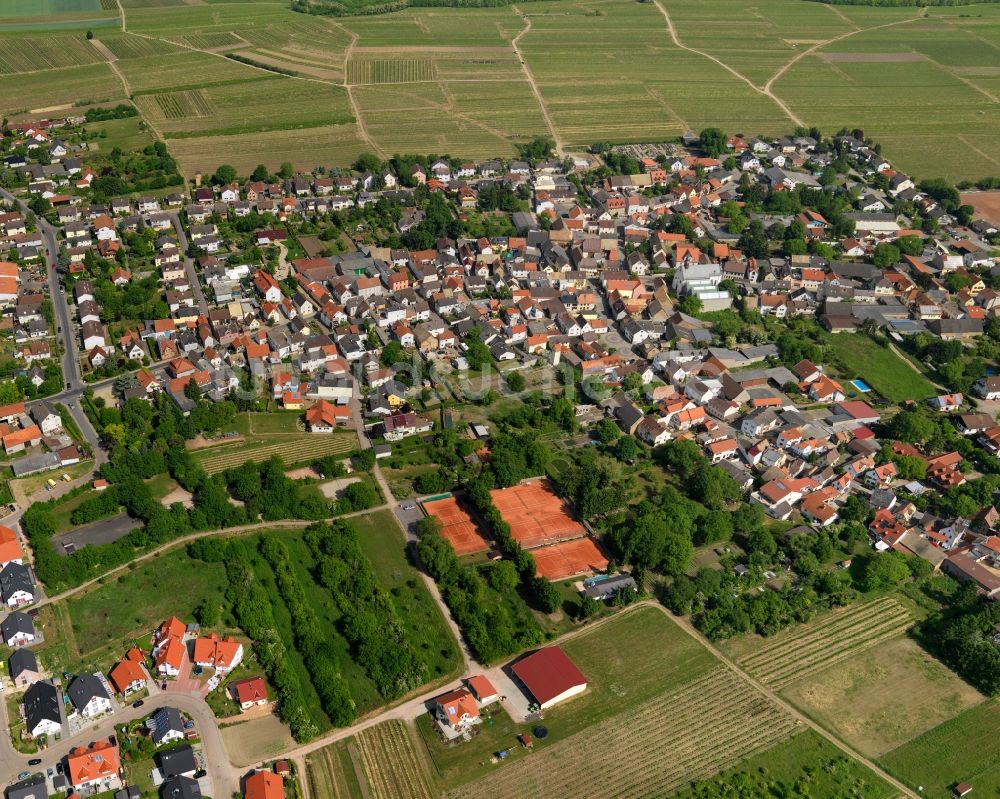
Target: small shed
x: 961, y: 789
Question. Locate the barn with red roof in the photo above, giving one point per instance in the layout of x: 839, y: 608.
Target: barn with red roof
x: 549, y: 676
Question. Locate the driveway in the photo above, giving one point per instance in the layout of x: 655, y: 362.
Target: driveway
x: 186, y: 682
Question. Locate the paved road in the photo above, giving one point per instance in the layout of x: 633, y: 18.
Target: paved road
x: 192, y: 274
x: 225, y: 778
x: 70, y: 364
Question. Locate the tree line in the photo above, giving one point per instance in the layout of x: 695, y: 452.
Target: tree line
x: 370, y: 621
x: 311, y: 641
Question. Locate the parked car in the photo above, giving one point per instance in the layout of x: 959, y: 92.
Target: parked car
x: 34, y: 761
x: 138, y: 703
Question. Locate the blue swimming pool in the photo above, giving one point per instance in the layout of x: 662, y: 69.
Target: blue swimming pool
x: 861, y: 386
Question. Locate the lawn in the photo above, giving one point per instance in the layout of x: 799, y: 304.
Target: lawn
x: 964, y: 749
x: 880, y: 367
x: 627, y: 660
x: 131, y: 604
x: 809, y: 763
x: 867, y: 699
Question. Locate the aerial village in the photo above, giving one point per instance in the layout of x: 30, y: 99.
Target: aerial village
x: 688, y: 292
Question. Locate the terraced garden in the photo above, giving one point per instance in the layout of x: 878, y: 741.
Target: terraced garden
x: 293, y: 448
x: 805, y: 650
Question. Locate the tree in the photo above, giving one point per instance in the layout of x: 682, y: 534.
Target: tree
x: 224, y: 174
x: 879, y: 571
x: 260, y: 173
x: 712, y: 142
x: 607, y: 431
x: 367, y: 162
x: 286, y: 170
x: 365, y: 459
x: 191, y: 390
x: 515, y: 381
x: 885, y: 255
x: 90, y: 35
x: 627, y: 448
x: 503, y: 576
x: 691, y: 304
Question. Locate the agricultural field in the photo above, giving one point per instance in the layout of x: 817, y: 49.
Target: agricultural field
x: 293, y: 448
x: 39, y: 8
x: 867, y: 698
x: 883, y: 370
x: 809, y: 763
x: 710, y: 724
x: 639, y: 86
x: 32, y: 53
x: 963, y: 749
x: 125, y: 46
x: 803, y: 651
x: 628, y: 661
x: 328, y: 145
x: 60, y: 89
x: 385, y: 757
x: 126, y: 134
x: 256, y: 106
x: 150, y: 74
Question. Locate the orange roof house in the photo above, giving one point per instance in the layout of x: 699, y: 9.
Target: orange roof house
x: 169, y: 656
x: 127, y: 676
x: 10, y: 547
x: 324, y: 416
x: 482, y: 689
x: 88, y: 765
x: 457, y: 708
x: 264, y: 785
x: 222, y: 654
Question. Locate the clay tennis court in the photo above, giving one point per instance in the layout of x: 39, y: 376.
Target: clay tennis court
x: 457, y: 526
x: 536, y: 514
x: 558, y: 561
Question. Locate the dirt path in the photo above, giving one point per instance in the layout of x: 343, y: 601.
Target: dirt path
x: 245, y: 529
x: 363, y: 133
x: 809, y: 51
x: 766, y: 92
x: 530, y: 77
x: 912, y: 365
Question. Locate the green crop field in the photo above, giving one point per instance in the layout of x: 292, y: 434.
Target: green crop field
x: 39, y: 8
x: 964, y: 749
x: 92, y: 84
x: 41, y: 52
x: 865, y: 698
x: 261, y: 105
x: 924, y: 82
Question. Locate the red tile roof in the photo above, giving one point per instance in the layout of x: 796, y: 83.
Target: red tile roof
x: 548, y: 673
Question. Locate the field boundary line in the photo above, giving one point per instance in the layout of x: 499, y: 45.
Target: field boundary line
x: 530, y: 77
x: 809, y: 51
x: 685, y: 625
x: 766, y: 92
